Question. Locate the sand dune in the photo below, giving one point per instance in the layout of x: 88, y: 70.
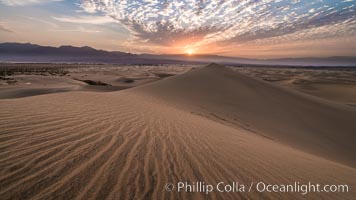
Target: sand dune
x: 343, y: 93
x: 311, y: 124
x: 191, y: 127
x: 24, y: 80
x: 30, y: 85
x: 334, y: 84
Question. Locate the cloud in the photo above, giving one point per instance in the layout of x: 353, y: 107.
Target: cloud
x: 86, y: 19
x: 5, y: 29
x: 43, y: 21
x: 80, y: 29
x: 203, y: 22
x: 25, y: 2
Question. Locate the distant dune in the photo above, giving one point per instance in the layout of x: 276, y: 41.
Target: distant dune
x: 210, y: 124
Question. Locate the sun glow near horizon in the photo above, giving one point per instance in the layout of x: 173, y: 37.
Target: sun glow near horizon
x: 190, y: 52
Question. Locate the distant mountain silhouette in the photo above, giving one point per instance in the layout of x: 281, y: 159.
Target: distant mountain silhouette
x: 32, y: 49
x: 27, y: 52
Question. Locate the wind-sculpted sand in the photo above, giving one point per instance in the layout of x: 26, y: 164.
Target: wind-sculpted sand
x: 130, y: 144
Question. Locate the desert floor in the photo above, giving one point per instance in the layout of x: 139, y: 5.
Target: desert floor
x: 125, y: 132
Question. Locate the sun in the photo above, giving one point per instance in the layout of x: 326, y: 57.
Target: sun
x: 190, y: 52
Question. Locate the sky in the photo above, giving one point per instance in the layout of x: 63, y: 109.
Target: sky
x: 240, y: 28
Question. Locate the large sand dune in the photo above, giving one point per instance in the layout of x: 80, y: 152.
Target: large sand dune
x: 311, y: 124
x: 208, y: 125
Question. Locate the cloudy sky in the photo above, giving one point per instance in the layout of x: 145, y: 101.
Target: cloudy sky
x: 244, y: 28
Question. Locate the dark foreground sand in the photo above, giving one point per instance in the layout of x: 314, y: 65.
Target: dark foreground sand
x: 210, y: 124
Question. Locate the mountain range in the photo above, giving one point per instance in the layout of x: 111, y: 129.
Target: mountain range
x: 27, y: 52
